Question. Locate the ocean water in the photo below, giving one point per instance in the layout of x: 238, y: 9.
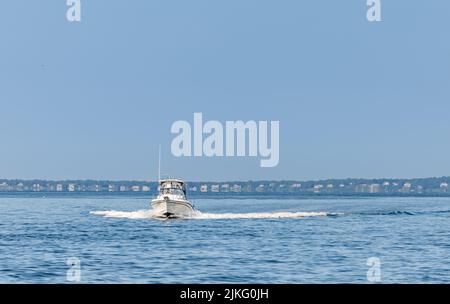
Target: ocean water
x: 253, y: 240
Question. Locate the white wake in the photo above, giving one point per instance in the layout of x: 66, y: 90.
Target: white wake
x: 139, y: 214
x: 148, y: 214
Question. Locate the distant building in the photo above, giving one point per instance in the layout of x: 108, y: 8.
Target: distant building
x: 59, y: 188
x: 362, y: 188
x: 215, y: 188
x: 317, y: 188
x: 295, y: 187
x: 193, y: 189
x: 4, y: 186
x: 374, y: 188
x: 204, y: 188
x: 281, y: 188
x: 260, y: 188
x: 247, y: 188
x: 135, y: 188
x: 225, y: 188
x: 145, y: 189
x: 71, y: 188
x: 406, y: 188
x: 93, y: 188
x: 236, y: 188
x: 123, y: 188
x: 444, y: 187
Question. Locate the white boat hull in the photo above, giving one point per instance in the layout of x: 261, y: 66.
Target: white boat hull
x: 167, y: 208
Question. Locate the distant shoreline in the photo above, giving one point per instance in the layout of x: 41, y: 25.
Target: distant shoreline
x: 433, y: 186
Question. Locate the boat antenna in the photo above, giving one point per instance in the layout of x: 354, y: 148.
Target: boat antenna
x: 159, y: 164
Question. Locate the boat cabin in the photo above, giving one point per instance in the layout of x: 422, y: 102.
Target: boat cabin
x: 172, y: 186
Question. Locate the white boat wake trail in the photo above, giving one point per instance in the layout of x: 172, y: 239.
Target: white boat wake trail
x: 148, y: 214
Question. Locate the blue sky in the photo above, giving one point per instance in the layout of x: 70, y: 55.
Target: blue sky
x: 354, y: 99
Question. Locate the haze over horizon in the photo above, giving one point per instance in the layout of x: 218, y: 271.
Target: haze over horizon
x: 93, y: 100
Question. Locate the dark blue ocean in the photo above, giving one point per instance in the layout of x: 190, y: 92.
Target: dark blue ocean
x: 107, y: 239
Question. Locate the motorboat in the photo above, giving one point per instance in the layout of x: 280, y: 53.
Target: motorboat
x: 171, y: 201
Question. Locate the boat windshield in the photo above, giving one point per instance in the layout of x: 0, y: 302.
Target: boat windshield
x: 174, y: 191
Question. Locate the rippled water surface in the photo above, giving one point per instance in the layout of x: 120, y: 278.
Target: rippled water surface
x: 306, y: 240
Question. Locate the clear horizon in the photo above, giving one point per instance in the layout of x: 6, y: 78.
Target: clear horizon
x: 93, y: 100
